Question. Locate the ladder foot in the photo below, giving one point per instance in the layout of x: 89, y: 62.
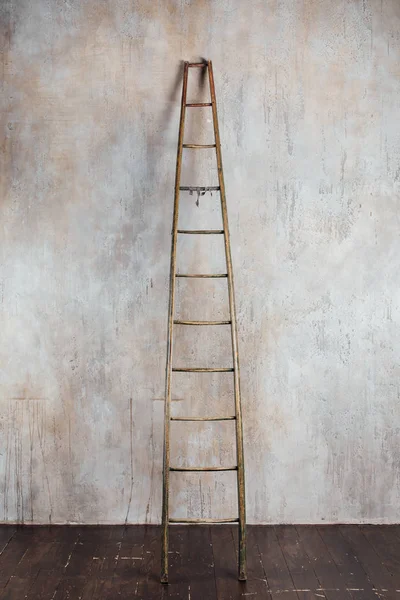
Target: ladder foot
x: 242, y: 576
x: 164, y: 578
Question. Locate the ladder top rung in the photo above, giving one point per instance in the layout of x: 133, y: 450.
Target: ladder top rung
x: 200, y: 64
x: 204, y: 231
x: 181, y: 322
x: 199, y: 104
x: 211, y: 275
x: 203, y: 418
x: 199, y: 188
x: 195, y: 146
x: 189, y: 469
x: 229, y: 520
x: 202, y: 370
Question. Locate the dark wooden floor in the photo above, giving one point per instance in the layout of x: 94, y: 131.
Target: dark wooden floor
x: 284, y: 563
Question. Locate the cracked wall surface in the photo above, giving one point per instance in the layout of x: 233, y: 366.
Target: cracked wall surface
x: 309, y: 96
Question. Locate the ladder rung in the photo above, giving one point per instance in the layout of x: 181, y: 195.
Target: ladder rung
x: 201, y: 370
x: 199, y: 188
x: 233, y: 520
x: 202, y: 64
x: 198, y: 104
x: 203, y: 418
x: 208, y: 231
x: 189, y: 469
x: 212, y: 275
x: 180, y: 322
x: 196, y: 146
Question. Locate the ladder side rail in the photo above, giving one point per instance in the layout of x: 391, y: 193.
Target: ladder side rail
x: 168, y: 374
x: 232, y: 309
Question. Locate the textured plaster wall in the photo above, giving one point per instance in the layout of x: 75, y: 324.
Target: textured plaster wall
x: 309, y: 100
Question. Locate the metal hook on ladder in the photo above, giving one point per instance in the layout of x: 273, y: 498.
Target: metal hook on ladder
x: 239, y: 467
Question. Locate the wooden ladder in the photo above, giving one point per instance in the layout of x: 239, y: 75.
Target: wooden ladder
x: 170, y: 368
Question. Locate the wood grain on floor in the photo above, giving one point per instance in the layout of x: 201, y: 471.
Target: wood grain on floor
x: 346, y: 562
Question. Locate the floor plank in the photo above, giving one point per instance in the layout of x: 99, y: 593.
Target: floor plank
x: 45, y: 585
x: 328, y: 574
x: 108, y: 553
x: 11, y: 557
x: 178, y: 560
x: 97, y: 589
x: 371, y: 562
x: 225, y: 563
x: 16, y: 589
x: 349, y: 567
x: 30, y: 563
x: 201, y: 564
x: 302, y: 573
x: 80, y: 561
x: 65, y: 539
x: 6, y: 533
x: 130, y: 553
x: 116, y: 562
x: 274, y: 564
x: 386, y: 544
x: 71, y: 587
x: 149, y: 585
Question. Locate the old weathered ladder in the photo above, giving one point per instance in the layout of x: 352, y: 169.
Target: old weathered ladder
x: 237, y: 418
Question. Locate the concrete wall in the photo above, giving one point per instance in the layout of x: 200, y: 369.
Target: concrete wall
x: 309, y: 100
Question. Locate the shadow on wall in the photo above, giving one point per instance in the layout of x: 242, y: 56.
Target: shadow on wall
x: 152, y: 147
x: 153, y: 153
